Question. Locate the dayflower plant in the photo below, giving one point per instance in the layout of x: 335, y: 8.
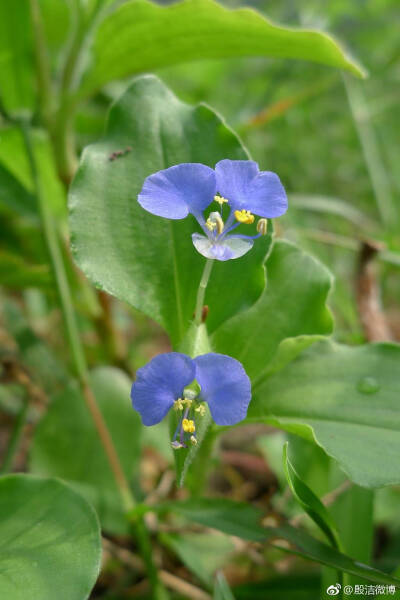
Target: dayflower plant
x: 191, y: 188
x: 176, y: 380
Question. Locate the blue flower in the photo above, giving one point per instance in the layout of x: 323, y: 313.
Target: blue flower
x: 215, y: 379
x: 191, y: 188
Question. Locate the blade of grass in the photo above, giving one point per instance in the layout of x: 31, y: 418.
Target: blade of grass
x: 379, y: 177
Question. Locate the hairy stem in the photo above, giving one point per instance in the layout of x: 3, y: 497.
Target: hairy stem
x: 202, y: 290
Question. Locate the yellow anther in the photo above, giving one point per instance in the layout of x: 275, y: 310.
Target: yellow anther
x: 193, y: 439
x: 244, y: 216
x: 188, y: 426
x: 262, y: 226
x: 201, y: 409
x: 187, y: 402
x: 221, y: 200
x: 178, y: 404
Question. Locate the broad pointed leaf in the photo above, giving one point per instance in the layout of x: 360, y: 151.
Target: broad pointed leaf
x: 148, y: 261
x: 141, y: 36
x: 347, y: 400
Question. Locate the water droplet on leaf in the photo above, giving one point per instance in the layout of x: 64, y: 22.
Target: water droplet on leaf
x: 368, y: 385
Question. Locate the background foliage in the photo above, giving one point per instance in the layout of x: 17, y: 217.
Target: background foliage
x: 87, y: 299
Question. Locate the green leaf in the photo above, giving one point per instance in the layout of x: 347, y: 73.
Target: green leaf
x: 148, y: 261
x: 222, y: 590
x: 309, y: 501
x: 50, y: 545
x: 245, y: 521
x: 141, y: 36
x: 66, y: 443
x: 201, y: 553
x: 292, y: 304
x: 345, y: 399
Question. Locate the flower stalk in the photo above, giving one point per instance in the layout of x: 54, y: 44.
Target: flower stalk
x: 201, y: 292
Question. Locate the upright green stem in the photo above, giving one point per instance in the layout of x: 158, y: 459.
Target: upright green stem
x: 59, y: 126
x: 43, y: 73
x: 202, y: 290
x: 79, y: 361
x: 372, y: 155
x: 56, y: 113
x: 77, y: 354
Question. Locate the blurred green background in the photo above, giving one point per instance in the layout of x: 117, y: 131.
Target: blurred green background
x: 333, y: 140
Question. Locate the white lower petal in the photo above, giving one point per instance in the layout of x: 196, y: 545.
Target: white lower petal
x: 226, y: 249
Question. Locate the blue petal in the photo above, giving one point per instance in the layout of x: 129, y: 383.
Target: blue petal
x: 174, y: 192
x: 225, y: 386
x: 226, y: 249
x: 159, y: 383
x: 234, y: 178
x: 260, y: 192
x: 267, y: 196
